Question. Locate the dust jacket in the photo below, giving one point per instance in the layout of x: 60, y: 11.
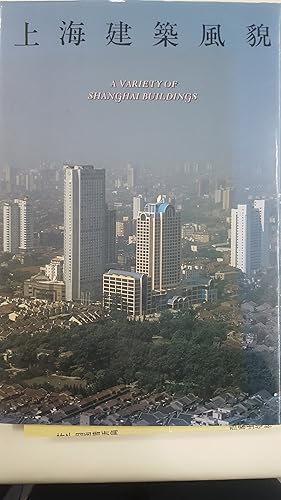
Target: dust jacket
x: 139, y: 190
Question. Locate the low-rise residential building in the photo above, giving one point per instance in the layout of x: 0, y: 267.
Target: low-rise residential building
x: 228, y: 275
x: 191, y: 271
x: 130, y: 405
x: 200, y: 290
x: 54, y: 270
x: 201, y: 237
x: 39, y: 286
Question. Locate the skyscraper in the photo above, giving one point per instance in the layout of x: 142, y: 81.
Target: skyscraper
x: 138, y: 205
x: 17, y: 226
x: 110, y: 235
x: 26, y: 223
x: 203, y: 186
x: 130, y: 176
x: 158, y: 247
x: 11, y: 227
x: 218, y: 196
x: 228, y: 198
x: 249, y: 241
x: 262, y: 207
x: 84, y: 230
x: 7, y: 179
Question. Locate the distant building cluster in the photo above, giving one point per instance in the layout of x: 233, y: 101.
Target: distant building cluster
x: 134, y: 262
x: 261, y: 329
x: 195, y: 233
x: 225, y: 197
x: 29, y: 180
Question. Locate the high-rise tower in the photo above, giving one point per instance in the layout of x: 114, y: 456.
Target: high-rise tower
x: 84, y: 230
x: 249, y: 237
x: 26, y: 224
x: 158, y: 247
x: 11, y: 227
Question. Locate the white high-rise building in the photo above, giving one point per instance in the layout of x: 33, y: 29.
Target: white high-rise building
x: 110, y: 235
x: 138, y: 206
x: 26, y: 223
x: 17, y: 226
x: 218, y: 196
x: 249, y: 240
x: 11, y: 227
x: 84, y: 230
x: 262, y: 207
x: 228, y: 198
x: 130, y: 176
x: 158, y: 246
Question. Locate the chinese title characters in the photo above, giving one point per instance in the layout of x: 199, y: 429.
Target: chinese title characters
x: 165, y: 34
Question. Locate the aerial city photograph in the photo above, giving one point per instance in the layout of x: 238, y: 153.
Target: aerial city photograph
x: 138, y: 235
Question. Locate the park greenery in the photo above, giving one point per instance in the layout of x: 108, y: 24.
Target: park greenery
x: 179, y: 353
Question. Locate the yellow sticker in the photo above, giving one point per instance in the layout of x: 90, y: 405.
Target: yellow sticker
x: 73, y: 431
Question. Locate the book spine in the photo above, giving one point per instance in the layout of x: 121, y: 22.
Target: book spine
x: 278, y: 198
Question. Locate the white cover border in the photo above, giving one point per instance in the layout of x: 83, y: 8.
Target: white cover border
x: 241, y: 454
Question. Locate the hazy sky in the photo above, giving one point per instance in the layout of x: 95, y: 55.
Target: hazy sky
x: 46, y: 115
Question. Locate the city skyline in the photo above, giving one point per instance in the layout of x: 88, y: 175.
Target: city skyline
x: 164, y: 265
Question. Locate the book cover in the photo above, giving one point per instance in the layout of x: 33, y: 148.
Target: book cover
x: 139, y: 190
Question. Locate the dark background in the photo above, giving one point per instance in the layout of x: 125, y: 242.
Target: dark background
x: 268, y: 489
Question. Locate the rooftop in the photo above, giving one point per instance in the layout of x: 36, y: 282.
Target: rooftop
x: 157, y: 208
x: 119, y: 272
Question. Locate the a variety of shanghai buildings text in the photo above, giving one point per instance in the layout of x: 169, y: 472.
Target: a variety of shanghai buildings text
x: 80, y: 242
